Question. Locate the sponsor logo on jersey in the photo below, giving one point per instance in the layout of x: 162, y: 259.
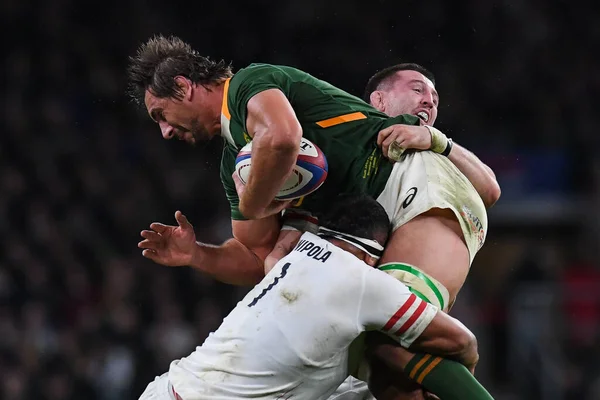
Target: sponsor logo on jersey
x: 474, y: 223
x: 312, y: 250
x: 371, y: 165
x: 247, y: 137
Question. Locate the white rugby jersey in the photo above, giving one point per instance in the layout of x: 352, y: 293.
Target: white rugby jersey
x: 288, y: 338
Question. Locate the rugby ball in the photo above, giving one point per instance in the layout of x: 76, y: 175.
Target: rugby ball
x: 308, y: 175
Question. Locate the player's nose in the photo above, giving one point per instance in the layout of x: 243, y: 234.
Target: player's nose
x: 427, y: 99
x: 167, y: 130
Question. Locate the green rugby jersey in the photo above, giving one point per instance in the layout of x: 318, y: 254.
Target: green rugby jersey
x: 343, y: 126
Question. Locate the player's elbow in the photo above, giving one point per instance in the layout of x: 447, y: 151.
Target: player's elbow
x: 464, y: 341
x: 491, y: 194
x: 446, y: 336
x: 285, y: 137
x: 465, y: 348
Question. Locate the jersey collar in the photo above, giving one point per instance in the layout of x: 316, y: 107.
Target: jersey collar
x: 226, y: 115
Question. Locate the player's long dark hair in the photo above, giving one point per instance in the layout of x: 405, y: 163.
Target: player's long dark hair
x: 159, y: 60
x: 359, y: 215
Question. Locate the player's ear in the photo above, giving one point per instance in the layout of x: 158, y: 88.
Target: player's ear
x: 376, y: 100
x: 372, y: 261
x: 184, y: 86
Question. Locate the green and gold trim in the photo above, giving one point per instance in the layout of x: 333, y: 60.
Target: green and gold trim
x: 422, y: 285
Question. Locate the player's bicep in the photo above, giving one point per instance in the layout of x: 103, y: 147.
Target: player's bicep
x: 271, y: 117
x: 388, y: 306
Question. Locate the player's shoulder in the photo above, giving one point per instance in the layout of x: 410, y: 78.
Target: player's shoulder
x: 380, y: 280
x: 255, y: 67
x: 320, y: 249
x: 256, y: 71
x: 328, y: 263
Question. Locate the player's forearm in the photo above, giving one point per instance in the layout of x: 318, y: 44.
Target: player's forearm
x: 272, y: 162
x: 231, y: 262
x: 481, y: 176
x: 461, y: 347
x: 463, y: 350
x: 446, y: 336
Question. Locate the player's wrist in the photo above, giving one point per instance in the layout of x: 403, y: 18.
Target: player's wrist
x: 250, y: 209
x: 440, y: 143
x: 197, y: 256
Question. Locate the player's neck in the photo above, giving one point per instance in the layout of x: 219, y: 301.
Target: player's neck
x: 358, y: 253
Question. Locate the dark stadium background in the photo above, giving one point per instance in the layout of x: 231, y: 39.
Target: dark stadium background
x: 84, y: 316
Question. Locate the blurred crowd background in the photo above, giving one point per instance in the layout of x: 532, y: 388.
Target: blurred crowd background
x: 82, y: 171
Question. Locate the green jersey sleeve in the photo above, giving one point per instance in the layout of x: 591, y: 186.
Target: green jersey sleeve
x: 250, y: 81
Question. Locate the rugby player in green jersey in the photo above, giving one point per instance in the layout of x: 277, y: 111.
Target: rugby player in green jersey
x: 439, y: 218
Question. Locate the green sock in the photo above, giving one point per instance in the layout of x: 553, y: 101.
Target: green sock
x: 449, y: 380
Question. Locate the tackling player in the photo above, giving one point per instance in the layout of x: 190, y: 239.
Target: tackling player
x: 274, y: 345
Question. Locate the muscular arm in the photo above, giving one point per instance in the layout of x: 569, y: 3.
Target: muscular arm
x: 239, y: 261
x: 388, y: 306
x: 444, y: 336
x: 276, y: 133
x: 422, y: 138
x: 480, y: 175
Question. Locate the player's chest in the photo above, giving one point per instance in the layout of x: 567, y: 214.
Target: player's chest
x: 234, y: 132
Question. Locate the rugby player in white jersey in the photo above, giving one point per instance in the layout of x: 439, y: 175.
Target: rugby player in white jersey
x: 288, y: 338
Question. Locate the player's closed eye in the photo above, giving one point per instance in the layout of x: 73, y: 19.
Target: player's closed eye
x: 157, y: 116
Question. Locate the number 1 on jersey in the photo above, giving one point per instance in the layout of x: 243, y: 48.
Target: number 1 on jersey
x: 271, y: 285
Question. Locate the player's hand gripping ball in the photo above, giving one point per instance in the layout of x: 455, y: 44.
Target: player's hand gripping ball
x: 308, y: 175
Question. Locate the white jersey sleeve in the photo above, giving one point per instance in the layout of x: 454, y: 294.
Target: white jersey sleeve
x: 388, y: 306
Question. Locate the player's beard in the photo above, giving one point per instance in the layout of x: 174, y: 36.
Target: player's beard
x: 199, y: 133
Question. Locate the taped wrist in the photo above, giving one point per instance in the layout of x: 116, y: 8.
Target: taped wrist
x: 440, y: 143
